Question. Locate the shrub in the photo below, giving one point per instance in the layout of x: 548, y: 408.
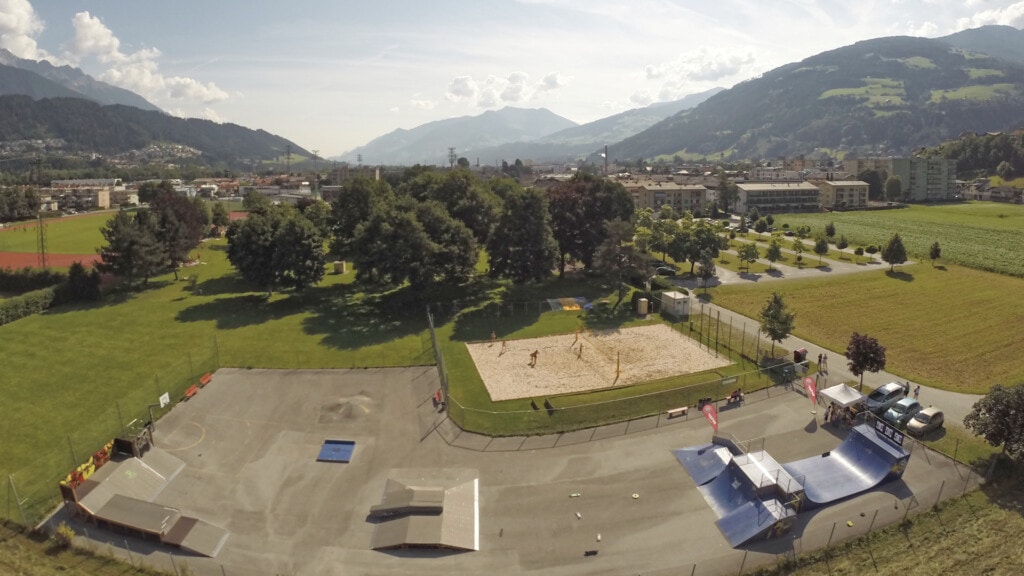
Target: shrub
x: 64, y: 536
x: 871, y: 249
x: 27, y: 304
x: 28, y: 279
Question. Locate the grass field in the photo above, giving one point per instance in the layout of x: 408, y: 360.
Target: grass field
x: 983, y: 235
x: 954, y: 328
x: 68, y: 235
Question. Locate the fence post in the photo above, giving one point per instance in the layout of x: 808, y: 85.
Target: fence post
x: 831, y: 534
x: 216, y: 351
x: 939, y: 497
x: 74, y: 459
x: 718, y: 322
x: 131, y: 559
x: 173, y: 565
x: 870, y: 526
x: 17, y: 499
x: 120, y: 419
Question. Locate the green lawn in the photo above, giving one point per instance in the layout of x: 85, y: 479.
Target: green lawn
x: 984, y: 235
x: 68, y: 235
x: 954, y: 328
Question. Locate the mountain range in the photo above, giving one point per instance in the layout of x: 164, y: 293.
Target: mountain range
x: 44, y: 80
x: 886, y: 96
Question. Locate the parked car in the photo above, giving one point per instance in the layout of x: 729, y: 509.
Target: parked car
x: 926, y: 420
x: 665, y: 271
x: 884, y: 397
x: 902, y: 411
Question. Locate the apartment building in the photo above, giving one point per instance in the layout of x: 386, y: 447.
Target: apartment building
x: 842, y: 193
x: 778, y: 197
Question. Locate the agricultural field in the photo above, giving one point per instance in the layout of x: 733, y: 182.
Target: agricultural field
x: 983, y: 235
x: 954, y: 328
x: 976, y: 92
x: 884, y: 92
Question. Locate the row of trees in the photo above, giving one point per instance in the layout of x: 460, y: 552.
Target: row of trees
x: 18, y: 203
x: 151, y: 240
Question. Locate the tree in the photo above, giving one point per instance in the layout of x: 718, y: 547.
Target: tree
x: 753, y: 214
x: 706, y: 269
x: 219, y: 215
x: 462, y: 162
x: 319, y: 214
x: 770, y: 220
x: 618, y: 258
x: 521, y: 246
x: 798, y: 248
x: 935, y: 252
x: 864, y: 354
x: 803, y: 231
x: 748, y: 253
x: 859, y: 252
x: 354, y: 205
x: 82, y: 285
x: 893, y: 188
x: 760, y: 226
x: 830, y: 230
x: 254, y: 201
x: 776, y: 321
x: 702, y: 239
x: 894, y: 253
x: 462, y: 194
x: 1005, y: 170
x: 873, y: 178
x: 131, y: 249
x: 728, y: 192
x: 999, y: 418
x: 277, y: 248
x: 820, y: 247
x: 180, y: 227
x: 774, y: 252
x: 842, y: 243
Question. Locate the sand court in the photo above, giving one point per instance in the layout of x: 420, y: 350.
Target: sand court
x: 578, y: 363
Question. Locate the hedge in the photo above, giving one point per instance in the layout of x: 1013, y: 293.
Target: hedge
x: 27, y: 304
x: 27, y: 279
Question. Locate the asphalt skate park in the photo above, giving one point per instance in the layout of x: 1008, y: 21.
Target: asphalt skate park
x: 611, y: 500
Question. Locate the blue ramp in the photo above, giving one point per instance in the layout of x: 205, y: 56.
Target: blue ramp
x: 703, y: 463
x: 336, y: 451
x: 864, y: 460
x: 742, y: 515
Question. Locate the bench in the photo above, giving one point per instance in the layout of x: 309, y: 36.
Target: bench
x: 734, y: 399
x: 191, y: 391
x: 681, y: 411
x: 205, y: 379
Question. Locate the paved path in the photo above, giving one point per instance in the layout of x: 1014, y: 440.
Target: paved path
x: 954, y: 404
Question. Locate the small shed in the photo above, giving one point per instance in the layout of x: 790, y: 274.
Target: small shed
x: 675, y: 304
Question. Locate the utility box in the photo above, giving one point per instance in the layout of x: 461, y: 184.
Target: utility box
x: 800, y: 354
x: 340, y: 266
x: 641, y: 306
x: 675, y: 304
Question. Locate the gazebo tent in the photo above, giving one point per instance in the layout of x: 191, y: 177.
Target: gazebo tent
x: 842, y: 395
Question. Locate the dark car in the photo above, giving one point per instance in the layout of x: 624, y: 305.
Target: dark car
x: 902, y: 411
x: 665, y: 271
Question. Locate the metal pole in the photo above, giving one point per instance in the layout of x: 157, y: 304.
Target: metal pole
x: 743, y: 563
x: 130, y: 558
x: 939, y: 497
x: 743, y: 341
x: 17, y: 500
x: 74, y: 459
x: 728, y: 343
x: 829, y: 543
x: 120, y: 419
x: 173, y: 565
x: 718, y: 322
x: 870, y: 526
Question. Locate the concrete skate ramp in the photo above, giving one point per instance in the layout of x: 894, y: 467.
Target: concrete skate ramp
x: 703, y: 463
x: 861, y: 462
x: 741, y: 514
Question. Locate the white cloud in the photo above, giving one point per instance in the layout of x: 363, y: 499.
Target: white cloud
x: 1012, y: 15
x: 551, y: 82
x: 924, y: 30
x: 19, y: 27
x: 461, y: 88
x: 419, y: 104
x: 138, y: 71
x: 515, y: 89
x: 394, y: 109
x: 641, y: 98
x: 694, y: 70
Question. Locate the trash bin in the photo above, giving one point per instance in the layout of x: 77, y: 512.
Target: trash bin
x: 799, y: 355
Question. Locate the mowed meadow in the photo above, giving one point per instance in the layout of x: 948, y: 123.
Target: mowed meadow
x: 951, y: 326
x: 982, y: 235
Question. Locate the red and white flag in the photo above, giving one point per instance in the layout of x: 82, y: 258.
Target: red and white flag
x: 711, y: 414
x: 812, y: 389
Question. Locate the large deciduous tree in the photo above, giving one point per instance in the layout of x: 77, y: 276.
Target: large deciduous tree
x: 748, y: 253
x: 999, y: 418
x: 277, y: 248
x: 521, y: 246
x: 356, y: 202
x: 774, y: 252
x: 894, y: 253
x: 706, y: 269
x: 594, y: 201
x: 618, y: 258
x: 776, y: 320
x: 820, y: 247
x: 893, y: 188
x: 132, y: 250
x: 864, y: 354
x: 219, y: 215
x: 462, y: 194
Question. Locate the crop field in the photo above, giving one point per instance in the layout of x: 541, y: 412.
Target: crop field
x: 983, y: 235
x: 954, y: 328
x: 983, y: 72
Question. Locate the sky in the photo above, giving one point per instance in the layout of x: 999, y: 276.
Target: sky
x: 331, y: 75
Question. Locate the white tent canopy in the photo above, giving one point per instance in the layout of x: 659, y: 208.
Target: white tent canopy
x: 842, y: 395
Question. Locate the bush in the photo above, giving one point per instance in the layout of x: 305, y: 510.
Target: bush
x: 64, y: 536
x: 871, y: 249
x: 26, y: 305
x: 28, y: 279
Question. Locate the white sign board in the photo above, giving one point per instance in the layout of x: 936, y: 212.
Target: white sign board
x: 165, y: 399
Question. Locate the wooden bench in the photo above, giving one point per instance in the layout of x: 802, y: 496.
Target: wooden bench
x: 205, y: 379
x: 681, y: 411
x: 191, y: 391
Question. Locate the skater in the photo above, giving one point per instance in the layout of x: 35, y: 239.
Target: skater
x: 579, y: 355
x: 828, y: 413
x: 820, y: 366
x: 917, y: 391
x: 494, y: 337
x: 504, y: 346
x: 533, y: 358
x: 824, y: 359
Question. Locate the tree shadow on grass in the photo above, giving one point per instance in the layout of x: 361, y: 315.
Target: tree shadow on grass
x: 242, y: 310
x: 900, y: 275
